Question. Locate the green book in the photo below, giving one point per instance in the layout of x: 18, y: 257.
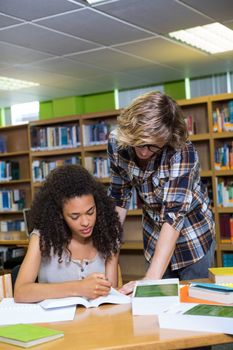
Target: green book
x: 26, y: 335
x: 211, y: 310
x: 156, y: 290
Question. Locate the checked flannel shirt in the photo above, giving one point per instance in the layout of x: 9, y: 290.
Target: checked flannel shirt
x: 170, y: 191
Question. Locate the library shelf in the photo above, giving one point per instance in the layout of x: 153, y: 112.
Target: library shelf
x: 15, y: 185
x: 13, y: 238
x: 132, y: 245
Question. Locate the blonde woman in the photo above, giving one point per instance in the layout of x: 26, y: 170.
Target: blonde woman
x: 149, y: 151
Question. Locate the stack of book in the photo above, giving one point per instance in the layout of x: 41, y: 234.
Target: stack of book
x: 221, y: 274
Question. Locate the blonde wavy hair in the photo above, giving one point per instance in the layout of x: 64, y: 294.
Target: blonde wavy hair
x: 152, y: 118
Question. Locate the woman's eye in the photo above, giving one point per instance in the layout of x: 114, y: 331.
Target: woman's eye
x: 74, y: 217
x: 90, y: 212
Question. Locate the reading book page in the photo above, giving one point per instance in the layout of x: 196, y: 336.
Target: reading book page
x: 114, y: 297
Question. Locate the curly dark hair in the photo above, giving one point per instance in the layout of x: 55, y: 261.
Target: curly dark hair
x: 64, y: 183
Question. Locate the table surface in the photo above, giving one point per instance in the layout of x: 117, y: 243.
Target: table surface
x: 114, y: 327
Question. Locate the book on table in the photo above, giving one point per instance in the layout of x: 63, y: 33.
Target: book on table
x: 151, y: 296
x: 221, y: 274
x: 212, y: 292
x: 114, y: 297
x: 198, y: 317
x: 18, y: 313
x: 27, y: 335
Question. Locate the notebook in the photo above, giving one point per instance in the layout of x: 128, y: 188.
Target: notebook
x: 27, y: 335
x: 14, y: 313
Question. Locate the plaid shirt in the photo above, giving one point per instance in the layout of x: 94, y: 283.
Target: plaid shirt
x: 171, y: 191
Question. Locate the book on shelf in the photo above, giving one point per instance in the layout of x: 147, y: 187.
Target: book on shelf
x: 212, y: 292
x: 151, y: 296
x: 221, y: 274
x: 198, y: 317
x: 28, y: 335
x: 114, y: 297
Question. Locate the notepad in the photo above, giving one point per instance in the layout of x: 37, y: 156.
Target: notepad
x: 28, y: 335
x: 14, y: 313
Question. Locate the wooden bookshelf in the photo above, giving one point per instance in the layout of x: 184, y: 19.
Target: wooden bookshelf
x: 15, y: 184
x: 203, y: 137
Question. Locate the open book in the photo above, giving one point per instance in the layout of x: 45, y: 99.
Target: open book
x: 114, y: 297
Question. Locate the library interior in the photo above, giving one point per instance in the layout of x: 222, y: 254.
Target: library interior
x: 81, y: 63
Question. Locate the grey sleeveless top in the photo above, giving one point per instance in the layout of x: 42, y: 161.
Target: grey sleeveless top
x: 51, y: 271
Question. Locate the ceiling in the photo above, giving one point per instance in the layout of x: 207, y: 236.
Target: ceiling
x: 71, y: 48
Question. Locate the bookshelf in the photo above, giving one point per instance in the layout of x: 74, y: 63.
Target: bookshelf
x: 82, y: 139
x: 15, y: 187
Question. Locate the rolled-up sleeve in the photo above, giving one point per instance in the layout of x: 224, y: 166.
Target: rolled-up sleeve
x: 120, y: 188
x: 178, y: 190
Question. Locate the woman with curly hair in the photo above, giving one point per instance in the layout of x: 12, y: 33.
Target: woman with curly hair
x: 75, y: 240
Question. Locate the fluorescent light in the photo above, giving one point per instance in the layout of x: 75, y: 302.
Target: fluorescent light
x: 15, y: 84
x: 212, y: 38
x: 94, y: 1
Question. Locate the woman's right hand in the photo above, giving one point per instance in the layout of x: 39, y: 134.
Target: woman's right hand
x: 95, y: 285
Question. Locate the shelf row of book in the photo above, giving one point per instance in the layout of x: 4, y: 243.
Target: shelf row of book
x: 224, y: 192
x: 7, y: 254
x: 223, y: 157
x: 41, y: 168
x: 12, y: 199
x: 227, y: 259
x: 12, y: 225
x: 223, y: 117
x: 48, y: 138
x: 9, y: 170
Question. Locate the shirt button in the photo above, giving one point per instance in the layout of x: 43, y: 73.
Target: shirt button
x: 82, y: 269
x: 86, y: 262
x: 82, y: 278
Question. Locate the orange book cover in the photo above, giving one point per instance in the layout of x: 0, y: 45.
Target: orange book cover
x: 185, y: 298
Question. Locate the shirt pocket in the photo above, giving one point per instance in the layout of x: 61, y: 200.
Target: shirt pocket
x: 158, y: 188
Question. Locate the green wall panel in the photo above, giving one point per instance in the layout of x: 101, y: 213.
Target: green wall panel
x: 2, y: 119
x: 46, y: 110
x: 67, y: 106
x: 175, y: 89
x: 99, y: 102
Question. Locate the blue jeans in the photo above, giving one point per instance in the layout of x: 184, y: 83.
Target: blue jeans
x: 196, y: 270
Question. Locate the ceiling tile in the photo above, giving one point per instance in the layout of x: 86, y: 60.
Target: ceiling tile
x: 15, y: 55
x: 160, y: 16
x: 41, y: 39
x: 32, y: 9
x: 94, y: 26
x: 70, y: 68
x: 6, y: 21
x: 110, y: 59
x: 164, y: 51
x: 218, y: 10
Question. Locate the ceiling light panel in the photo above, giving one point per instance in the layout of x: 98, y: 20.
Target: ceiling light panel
x: 212, y: 38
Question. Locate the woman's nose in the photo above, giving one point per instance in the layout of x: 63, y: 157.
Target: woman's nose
x: 84, y: 220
